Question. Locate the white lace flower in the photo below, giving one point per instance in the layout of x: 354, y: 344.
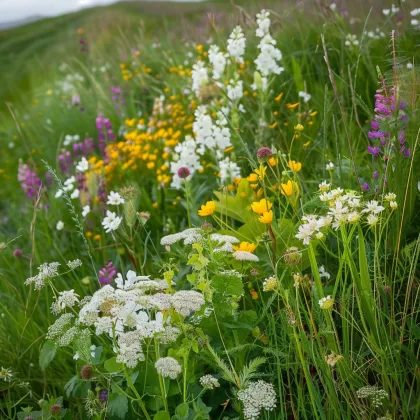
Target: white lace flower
x: 245, y: 256
x: 256, y: 397
x: 209, y: 382
x: 168, y: 367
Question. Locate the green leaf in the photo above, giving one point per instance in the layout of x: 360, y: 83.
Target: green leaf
x: 47, y: 354
x: 182, y: 410
x: 162, y: 415
x: 227, y: 285
x: 112, y: 366
x: 118, y: 406
x: 69, y: 386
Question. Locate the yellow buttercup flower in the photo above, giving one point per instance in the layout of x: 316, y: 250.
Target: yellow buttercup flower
x: 292, y: 106
x: 294, y: 166
x: 252, y: 178
x: 299, y: 127
x: 278, y: 98
x: 267, y: 217
x: 289, y: 188
x: 261, y: 207
x: 207, y: 209
x: 273, y: 161
x: 245, y: 246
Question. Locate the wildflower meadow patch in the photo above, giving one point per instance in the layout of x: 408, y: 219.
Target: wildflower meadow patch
x: 211, y: 211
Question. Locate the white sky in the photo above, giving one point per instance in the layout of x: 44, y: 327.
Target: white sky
x: 19, y: 9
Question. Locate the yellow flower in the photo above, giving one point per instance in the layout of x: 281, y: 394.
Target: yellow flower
x: 245, y: 246
x: 273, y: 161
x: 267, y: 217
x: 207, y: 209
x: 278, y: 98
x: 274, y: 125
x: 155, y: 205
x: 294, y: 166
x: 252, y: 177
x: 292, y: 106
x: 307, y: 144
x: 254, y: 294
x: 228, y: 149
x: 261, y: 172
x: 299, y: 127
x: 261, y: 207
x: 289, y: 188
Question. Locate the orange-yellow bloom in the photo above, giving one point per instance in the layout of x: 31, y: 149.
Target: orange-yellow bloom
x: 261, y: 171
x: 299, y: 127
x: 267, y: 217
x: 294, y: 166
x: 245, y: 246
x: 289, y: 188
x: 207, y: 209
x: 292, y: 106
x: 261, y: 207
x: 278, y: 98
x: 252, y: 177
x: 273, y: 161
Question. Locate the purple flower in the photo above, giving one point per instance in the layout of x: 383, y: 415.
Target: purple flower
x: 107, y: 273
x: 29, y: 182
x: 105, y: 133
x: 103, y: 396
x: 366, y: 187
x: 374, y: 150
x: 264, y: 153
x: 17, y: 253
x: 183, y: 172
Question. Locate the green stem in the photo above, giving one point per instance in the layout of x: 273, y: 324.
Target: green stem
x: 139, y: 399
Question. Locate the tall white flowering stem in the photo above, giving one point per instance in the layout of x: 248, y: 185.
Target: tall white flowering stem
x: 161, y: 379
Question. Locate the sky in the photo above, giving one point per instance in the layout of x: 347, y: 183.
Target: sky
x: 11, y: 10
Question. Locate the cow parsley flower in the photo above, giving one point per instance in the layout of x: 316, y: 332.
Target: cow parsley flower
x: 66, y: 299
x: 209, y: 382
x: 256, y: 397
x: 245, y: 256
x: 74, y: 264
x: 375, y: 394
x: 46, y: 272
x: 185, y: 302
x: 168, y: 367
x: 111, y: 221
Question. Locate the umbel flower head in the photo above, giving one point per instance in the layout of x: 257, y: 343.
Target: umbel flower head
x: 256, y: 397
x: 168, y: 367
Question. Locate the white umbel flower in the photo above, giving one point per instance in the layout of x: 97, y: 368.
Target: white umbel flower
x: 168, y: 367
x: 256, y: 397
x: 209, y: 382
x: 245, y: 256
x: 86, y: 210
x: 111, y: 221
x: 185, y: 302
x: 59, y: 225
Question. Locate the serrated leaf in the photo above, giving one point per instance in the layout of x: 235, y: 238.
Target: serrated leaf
x: 227, y: 285
x: 47, y: 354
x: 118, y: 406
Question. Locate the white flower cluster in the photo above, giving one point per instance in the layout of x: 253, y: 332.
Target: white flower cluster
x: 256, y: 397
x: 185, y: 157
x: 376, y: 34
x: 74, y: 264
x: 344, y: 208
x: 46, y: 272
x: 213, y: 136
x: 83, y: 165
x: 269, y: 56
x: 199, y: 77
x: 394, y: 9
x: 69, y: 139
x: 66, y: 299
x: 235, y: 89
x: 245, y: 256
x: 217, y: 60
x: 376, y: 395
x: 228, y: 170
x: 69, y: 187
x: 189, y: 236
x: 129, y: 314
x: 209, y: 382
x: 114, y: 199
x: 68, y: 84
x: 236, y: 44
x: 168, y: 367
x: 351, y: 41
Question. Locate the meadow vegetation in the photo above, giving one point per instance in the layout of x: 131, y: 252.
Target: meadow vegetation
x: 211, y: 211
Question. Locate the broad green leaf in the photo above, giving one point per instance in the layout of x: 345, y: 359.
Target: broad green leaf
x: 162, y: 415
x: 227, y: 285
x: 112, y: 366
x: 47, y: 354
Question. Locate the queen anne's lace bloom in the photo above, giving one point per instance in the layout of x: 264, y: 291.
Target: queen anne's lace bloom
x: 185, y: 302
x: 46, y: 272
x: 245, y: 256
x: 256, y: 397
x: 168, y: 367
x: 209, y: 382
